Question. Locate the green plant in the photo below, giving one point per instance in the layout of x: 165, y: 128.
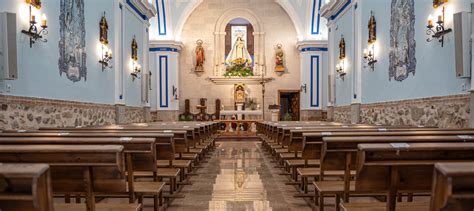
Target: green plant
x: 287, y: 117
x: 239, y: 70
x: 251, y: 104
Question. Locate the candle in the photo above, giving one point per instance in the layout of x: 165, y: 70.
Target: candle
x: 440, y: 19
x: 430, y: 21
x: 33, y: 18
x: 44, y: 20
x: 338, y: 67
x: 365, y: 53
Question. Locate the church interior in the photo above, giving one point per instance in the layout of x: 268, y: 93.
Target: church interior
x: 242, y: 105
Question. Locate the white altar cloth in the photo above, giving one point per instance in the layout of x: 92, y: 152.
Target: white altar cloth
x: 245, y: 112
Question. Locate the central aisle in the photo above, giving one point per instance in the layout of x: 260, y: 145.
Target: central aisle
x: 238, y: 177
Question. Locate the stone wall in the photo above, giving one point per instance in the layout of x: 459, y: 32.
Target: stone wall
x: 167, y: 115
x: 313, y: 115
x: 444, y: 112
x: 33, y: 113
x: 342, y: 114
x: 201, y: 24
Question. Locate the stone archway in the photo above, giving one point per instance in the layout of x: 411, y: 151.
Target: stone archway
x: 219, y: 40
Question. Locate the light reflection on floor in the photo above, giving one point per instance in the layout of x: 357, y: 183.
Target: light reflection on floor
x: 238, y: 186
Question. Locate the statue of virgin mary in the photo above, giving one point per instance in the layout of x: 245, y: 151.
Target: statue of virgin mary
x: 239, y: 53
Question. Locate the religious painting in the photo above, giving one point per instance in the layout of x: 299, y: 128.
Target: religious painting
x: 239, y: 31
x: 402, y: 40
x: 239, y: 93
x: 72, y: 43
x: 34, y: 3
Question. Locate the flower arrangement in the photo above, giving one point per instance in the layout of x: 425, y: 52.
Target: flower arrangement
x: 240, y: 68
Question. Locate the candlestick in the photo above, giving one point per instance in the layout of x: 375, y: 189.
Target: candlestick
x: 44, y: 21
x: 430, y: 21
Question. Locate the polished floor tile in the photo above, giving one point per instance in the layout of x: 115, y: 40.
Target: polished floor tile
x: 238, y: 177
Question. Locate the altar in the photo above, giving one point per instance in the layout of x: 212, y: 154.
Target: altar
x: 249, y: 114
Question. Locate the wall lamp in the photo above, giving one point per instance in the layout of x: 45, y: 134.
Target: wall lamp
x: 439, y: 31
x: 106, y: 53
x: 303, y: 88
x: 340, y: 68
x: 33, y: 32
x: 369, y: 52
x: 175, y: 93
x: 136, y: 68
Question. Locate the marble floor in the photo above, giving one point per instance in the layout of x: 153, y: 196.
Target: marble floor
x: 238, y: 176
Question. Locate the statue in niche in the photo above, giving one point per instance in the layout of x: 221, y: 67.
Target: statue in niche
x: 372, y: 28
x: 200, y: 58
x: 72, y: 43
x: 134, y: 49
x: 279, y: 58
x: 104, y: 27
x: 342, y: 48
x: 239, y: 93
x: 239, y: 53
x: 402, y: 40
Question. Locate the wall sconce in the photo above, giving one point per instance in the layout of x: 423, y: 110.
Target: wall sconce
x: 340, y: 68
x: 303, y: 88
x: 439, y: 31
x: 136, y: 68
x: 106, y: 53
x: 33, y: 32
x: 369, y: 53
x: 175, y: 93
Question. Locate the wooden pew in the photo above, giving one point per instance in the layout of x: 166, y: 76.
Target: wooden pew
x: 338, y: 154
x: 25, y: 187
x: 395, y: 168
x: 179, y: 136
x: 453, y: 187
x: 84, y: 169
x: 192, y: 142
x: 140, y: 156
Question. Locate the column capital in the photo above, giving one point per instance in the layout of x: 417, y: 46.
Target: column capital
x: 312, y: 45
x: 165, y: 46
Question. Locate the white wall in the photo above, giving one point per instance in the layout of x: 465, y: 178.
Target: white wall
x: 278, y: 28
x: 38, y: 66
x: 435, y: 70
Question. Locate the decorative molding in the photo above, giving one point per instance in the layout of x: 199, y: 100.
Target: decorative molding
x: 161, y: 4
x: 314, y: 45
x: 314, y: 83
x: 163, y: 78
x: 313, y: 18
x: 166, y: 45
x: 143, y: 8
x: 221, y: 80
x: 334, y: 8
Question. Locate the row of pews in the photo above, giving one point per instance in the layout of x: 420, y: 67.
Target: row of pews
x: 87, y: 166
x: 397, y: 167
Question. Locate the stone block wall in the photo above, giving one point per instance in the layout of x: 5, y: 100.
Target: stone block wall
x: 443, y: 112
x: 342, y: 114
x: 33, y: 113
x: 313, y: 115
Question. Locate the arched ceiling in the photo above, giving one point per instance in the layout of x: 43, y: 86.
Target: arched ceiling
x: 172, y: 15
